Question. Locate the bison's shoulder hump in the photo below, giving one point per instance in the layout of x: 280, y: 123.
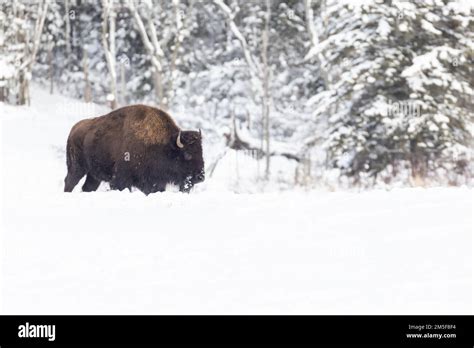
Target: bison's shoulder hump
x: 82, y: 126
x: 149, y: 125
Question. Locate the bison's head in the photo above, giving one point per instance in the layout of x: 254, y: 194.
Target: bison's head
x: 190, y: 154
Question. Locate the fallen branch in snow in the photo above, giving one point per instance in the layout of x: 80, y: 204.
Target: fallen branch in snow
x: 212, y: 167
x: 235, y: 142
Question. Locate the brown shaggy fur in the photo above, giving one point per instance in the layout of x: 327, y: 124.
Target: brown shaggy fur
x: 134, y: 146
x: 152, y: 126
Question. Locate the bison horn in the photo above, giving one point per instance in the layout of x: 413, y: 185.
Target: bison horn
x: 200, y: 132
x: 178, y: 141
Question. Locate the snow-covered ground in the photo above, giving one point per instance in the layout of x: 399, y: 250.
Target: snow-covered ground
x: 215, y: 251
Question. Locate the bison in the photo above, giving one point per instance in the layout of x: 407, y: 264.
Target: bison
x: 134, y: 146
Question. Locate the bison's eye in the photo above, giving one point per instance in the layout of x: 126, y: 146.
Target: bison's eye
x: 187, y: 156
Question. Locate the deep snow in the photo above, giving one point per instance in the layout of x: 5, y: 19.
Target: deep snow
x: 214, y: 251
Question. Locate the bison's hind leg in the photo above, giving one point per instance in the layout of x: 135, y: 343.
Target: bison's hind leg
x: 72, y: 178
x: 91, y: 184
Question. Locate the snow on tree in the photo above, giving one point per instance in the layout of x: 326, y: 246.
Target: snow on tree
x: 361, y: 92
x: 259, y: 70
x: 108, y: 42
x: 20, y: 39
x: 399, y: 94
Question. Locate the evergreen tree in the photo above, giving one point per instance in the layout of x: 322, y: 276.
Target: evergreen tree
x: 399, y: 94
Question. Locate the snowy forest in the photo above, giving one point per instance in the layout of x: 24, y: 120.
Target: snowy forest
x: 304, y: 93
x: 337, y: 138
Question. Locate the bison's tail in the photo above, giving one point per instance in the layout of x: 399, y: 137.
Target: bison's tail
x: 73, y: 155
x: 69, y: 154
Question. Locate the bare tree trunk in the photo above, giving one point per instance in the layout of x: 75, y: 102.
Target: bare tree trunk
x: 153, y: 48
x: 159, y: 89
x: 265, y: 89
x: 87, y: 88
x: 3, y: 90
x: 314, y: 42
x: 259, y: 71
x: 122, y: 83
x: 26, y: 67
x: 22, y: 91
x: 177, y: 44
x: 68, y: 32
x: 108, y: 41
x: 238, y: 35
x: 50, y: 63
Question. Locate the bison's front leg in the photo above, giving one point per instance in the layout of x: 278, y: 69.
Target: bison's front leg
x: 186, y: 185
x: 121, y: 178
x: 120, y: 182
x: 153, y: 188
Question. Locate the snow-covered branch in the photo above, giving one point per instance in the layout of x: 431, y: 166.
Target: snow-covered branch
x: 238, y: 35
x: 28, y: 63
x: 314, y: 51
x: 178, y: 21
x: 152, y: 46
x: 150, y: 42
x: 108, y: 41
